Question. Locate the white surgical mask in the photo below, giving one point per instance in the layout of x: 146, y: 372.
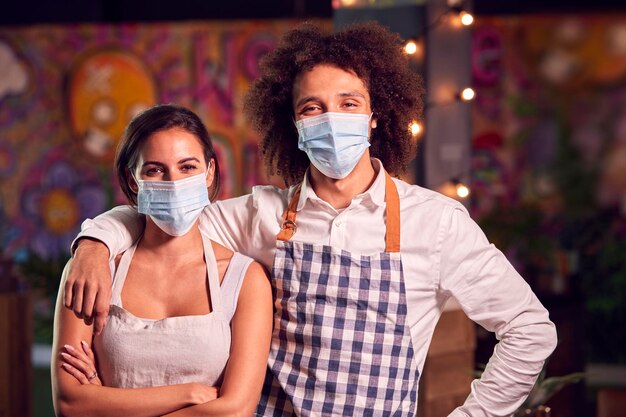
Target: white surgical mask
x: 334, y: 142
x: 174, y: 206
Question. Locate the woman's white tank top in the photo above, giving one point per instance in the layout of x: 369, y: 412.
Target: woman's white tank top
x: 134, y: 352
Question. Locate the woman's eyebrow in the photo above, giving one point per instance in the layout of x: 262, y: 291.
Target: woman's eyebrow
x: 191, y: 158
x: 152, y: 163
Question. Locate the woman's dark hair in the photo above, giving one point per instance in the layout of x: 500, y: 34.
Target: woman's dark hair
x: 150, y: 121
x: 370, y: 51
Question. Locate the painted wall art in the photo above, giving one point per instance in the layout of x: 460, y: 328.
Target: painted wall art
x: 67, y: 93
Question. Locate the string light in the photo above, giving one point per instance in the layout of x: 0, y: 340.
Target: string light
x: 416, y: 128
x: 456, y: 15
x: 462, y: 190
x: 467, y: 94
x: 414, y: 48
x: 466, y: 18
x: 337, y: 4
x: 454, y: 188
x: 410, y: 47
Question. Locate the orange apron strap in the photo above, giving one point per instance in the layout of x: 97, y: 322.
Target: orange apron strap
x: 288, y: 228
x: 392, y: 238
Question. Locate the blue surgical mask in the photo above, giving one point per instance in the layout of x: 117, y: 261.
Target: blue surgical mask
x: 334, y: 142
x: 174, y: 206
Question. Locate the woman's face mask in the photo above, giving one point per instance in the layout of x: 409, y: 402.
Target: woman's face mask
x: 334, y: 142
x: 174, y: 206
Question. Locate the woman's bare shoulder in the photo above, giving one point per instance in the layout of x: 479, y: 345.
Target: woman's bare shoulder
x: 222, y: 253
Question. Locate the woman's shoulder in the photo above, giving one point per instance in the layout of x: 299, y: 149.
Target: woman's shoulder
x: 222, y: 253
x: 226, y: 257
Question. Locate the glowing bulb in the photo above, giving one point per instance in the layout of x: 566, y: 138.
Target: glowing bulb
x: 467, y: 94
x: 466, y: 18
x: 462, y: 191
x: 410, y: 47
x: 415, y: 128
x: 348, y: 3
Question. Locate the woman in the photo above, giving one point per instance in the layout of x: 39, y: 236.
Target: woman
x: 190, y: 321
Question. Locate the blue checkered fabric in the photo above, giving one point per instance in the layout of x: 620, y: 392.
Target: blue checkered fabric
x: 341, y: 345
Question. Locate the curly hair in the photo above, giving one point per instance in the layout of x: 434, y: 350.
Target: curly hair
x: 370, y: 51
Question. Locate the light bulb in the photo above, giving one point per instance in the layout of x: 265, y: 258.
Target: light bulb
x: 462, y: 190
x: 466, y: 18
x: 410, y: 47
x: 467, y: 94
x: 416, y: 128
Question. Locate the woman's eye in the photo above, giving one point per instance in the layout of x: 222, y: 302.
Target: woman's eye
x: 153, y: 171
x: 188, y: 167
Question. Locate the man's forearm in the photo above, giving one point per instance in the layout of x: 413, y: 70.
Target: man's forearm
x: 511, y: 372
x: 91, y: 245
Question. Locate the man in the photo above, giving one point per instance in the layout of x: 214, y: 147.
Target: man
x: 362, y: 263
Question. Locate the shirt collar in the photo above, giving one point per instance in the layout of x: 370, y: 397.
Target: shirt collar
x: 376, y: 193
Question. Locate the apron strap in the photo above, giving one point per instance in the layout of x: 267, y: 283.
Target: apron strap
x: 119, y: 276
x: 392, y: 199
x: 392, y: 238
x: 288, y: 228
x: 212, y: 274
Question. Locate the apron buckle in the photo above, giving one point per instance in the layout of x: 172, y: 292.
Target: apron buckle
x: 289, y: 226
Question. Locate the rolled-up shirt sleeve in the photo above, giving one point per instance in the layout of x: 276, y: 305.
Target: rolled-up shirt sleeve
x: 117, y: 228
x: 229, y: 222
x: 494, y: 295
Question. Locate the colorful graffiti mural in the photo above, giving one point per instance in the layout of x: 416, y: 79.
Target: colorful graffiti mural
x: 67, y: 92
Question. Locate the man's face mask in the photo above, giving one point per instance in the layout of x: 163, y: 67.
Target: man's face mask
x: 334, y: 142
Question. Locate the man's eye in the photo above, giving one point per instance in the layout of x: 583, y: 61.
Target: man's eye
x: 309, y: 109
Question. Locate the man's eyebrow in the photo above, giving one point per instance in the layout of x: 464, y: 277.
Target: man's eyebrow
x: 345, y: 94
x: 352, y: 94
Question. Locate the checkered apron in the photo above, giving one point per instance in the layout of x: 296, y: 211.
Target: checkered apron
x: 341, y: 345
